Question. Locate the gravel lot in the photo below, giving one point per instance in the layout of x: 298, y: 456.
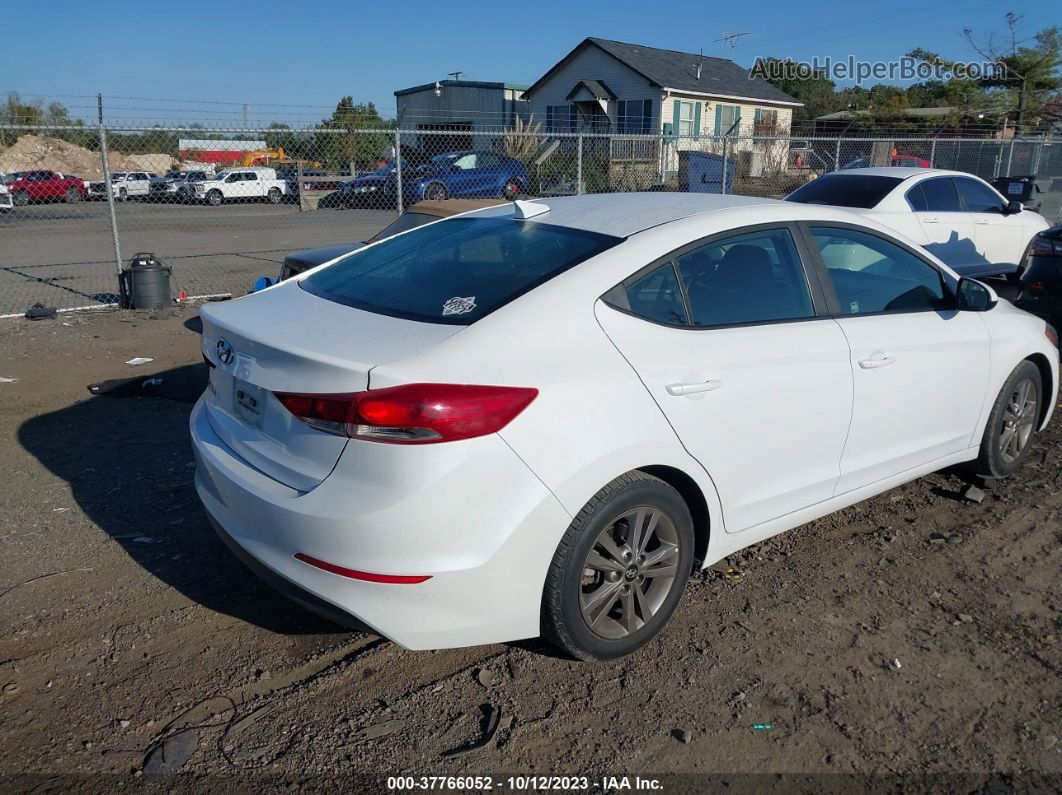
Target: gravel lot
x: 135, y: 649
x: 61, y: 255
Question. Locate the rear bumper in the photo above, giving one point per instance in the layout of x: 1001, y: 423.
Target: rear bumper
x: 470, y: 514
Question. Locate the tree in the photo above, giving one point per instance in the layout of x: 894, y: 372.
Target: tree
x: 350, y: 147
x: 1030, y: 68
x: 815, y: 90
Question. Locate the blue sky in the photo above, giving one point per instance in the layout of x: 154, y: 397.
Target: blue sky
x: 272, y: 54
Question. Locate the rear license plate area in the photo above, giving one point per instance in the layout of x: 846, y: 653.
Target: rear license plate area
x: 248, y: 402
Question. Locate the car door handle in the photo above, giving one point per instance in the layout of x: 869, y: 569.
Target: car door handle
x: 931, y: 220
x: 876, y: 360
x: 694, y: 388
x: 981, y: 220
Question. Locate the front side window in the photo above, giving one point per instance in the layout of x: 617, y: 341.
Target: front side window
x: 465, y: 162
x: 455, y: 271
x: 752, y: 278
x: 871, y: 275
x: 940, y: 195
x: 977, y: 197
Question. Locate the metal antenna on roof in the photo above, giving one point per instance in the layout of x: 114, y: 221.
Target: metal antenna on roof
x: 455, y: 75
x: 700, y: 62
x: 730, y: 40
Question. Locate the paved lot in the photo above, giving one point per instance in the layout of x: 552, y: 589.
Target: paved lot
x: 62, y: 255
x: 869, y: 650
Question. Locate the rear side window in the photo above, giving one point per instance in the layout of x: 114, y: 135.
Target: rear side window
x: 917, y: 199
x: 753, y: 278
x: 845, y: 190
x: 455, y: 271
x: 940, y: 195
x: 978, y: 198
x: 656, y: 296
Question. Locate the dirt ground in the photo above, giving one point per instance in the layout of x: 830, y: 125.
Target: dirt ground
x: 869, y: 651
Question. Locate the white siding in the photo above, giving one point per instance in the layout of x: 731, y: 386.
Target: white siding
x: 748, y: 113
x: 595, y: 64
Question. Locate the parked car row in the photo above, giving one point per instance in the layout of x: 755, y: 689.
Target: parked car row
x: 464, y: 174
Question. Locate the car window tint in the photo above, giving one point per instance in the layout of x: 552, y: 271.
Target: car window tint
x: 845, y: 190
x: 917, y: 199
x: 752, y: 278
x: 455, y: 271
x: 656, y: 296
x: 978, y: 198
x: 940, y: 195
x: 871, y: 274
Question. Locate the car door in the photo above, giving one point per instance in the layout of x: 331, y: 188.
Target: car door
x: 919, y: 366
x: 1000, y: 236
x: 464, y: 176
x: 731, y: 343
x: 947, y: 229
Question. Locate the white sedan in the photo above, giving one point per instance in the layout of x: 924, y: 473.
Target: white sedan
x: 539, y: 418
x: 958, y: 217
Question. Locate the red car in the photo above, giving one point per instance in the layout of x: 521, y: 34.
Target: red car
x: 43, y: 186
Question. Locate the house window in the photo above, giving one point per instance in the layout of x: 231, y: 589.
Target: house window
x: 725, y: 118
x: 766, y: 121
x: 635, y: 117
x: 560, y: 118
x: 685, y: 117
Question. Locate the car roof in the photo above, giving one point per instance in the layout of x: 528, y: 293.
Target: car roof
x: 624, y: 214
x: 903, y: 172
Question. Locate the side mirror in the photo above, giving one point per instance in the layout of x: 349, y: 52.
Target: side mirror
x: 975, y: 296
x: 1014, y: 207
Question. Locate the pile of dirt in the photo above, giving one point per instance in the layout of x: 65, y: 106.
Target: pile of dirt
x: 37, y: 151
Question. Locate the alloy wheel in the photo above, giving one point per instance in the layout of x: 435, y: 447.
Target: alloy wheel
x: 1019, y: 420
x: 628, y: 572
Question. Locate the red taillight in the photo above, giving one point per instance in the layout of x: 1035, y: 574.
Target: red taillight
x: 368, y: 576
x: 412, y: 413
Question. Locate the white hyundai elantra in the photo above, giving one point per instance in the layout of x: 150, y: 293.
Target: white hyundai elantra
x: 539, y: 418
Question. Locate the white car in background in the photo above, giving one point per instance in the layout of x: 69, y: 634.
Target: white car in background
x: 958, y: 217
x: 540, y: 417
x: 239, y: 184
x: 124, y: 185
x: 6, y: 202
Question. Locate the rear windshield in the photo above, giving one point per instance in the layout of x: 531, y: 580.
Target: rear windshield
x: 455, y: 271
x: 845, y: 190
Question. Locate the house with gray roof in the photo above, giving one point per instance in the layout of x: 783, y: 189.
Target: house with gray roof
x: 616, y: 87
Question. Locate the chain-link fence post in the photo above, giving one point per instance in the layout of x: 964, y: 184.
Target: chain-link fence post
x: 933, y: 152
x: 837, y: 155
x: 579, y: 165
x: 398, y: 168
x: 110, y: 192
x: 726, y: 162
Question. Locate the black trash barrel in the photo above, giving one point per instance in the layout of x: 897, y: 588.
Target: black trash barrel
x: 146, y: 283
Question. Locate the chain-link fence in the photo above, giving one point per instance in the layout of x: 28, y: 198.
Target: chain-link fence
x: 223, y: 207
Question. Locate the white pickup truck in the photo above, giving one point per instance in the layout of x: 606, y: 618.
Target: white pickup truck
x: 241, y: 183
x: 124, y: 185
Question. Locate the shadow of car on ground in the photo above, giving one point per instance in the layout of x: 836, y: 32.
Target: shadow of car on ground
x: 126, y: 455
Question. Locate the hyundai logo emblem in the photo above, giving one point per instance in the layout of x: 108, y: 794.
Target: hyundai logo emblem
x: 225, y: 352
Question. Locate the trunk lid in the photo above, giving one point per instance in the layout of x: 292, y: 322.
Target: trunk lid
x: 286, y: 340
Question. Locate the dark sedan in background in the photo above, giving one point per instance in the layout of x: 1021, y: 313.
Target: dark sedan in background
x: 1041, y: 283
x: 453, y: 175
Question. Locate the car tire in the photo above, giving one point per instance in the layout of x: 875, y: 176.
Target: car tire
x: 435, y: 192
x: 274, y: 196
x: 72, y: 196
x: 511, y: 189
x: 600, y: 601
x: 1023, y: 263
x: 1012, y: 423
x: 123, y: 194
x: 214, y: 198
x: 20, y: 198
